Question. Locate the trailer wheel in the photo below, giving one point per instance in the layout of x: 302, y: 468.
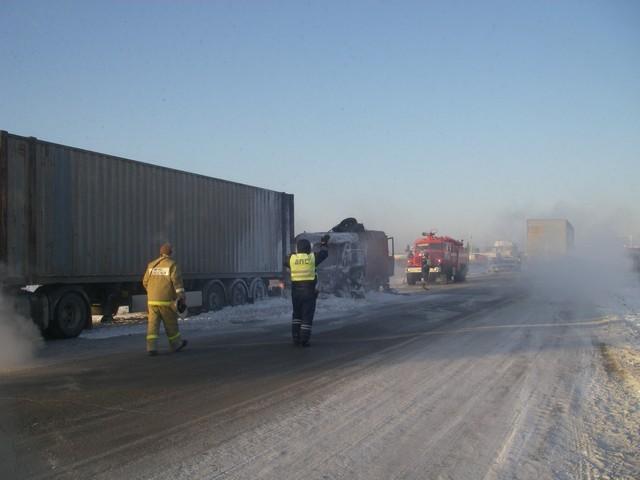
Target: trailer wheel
x: 214, y: 297
x: 238, y: 293
x: 70, y: 315
x: 258, y: 290
x: 412, y: 279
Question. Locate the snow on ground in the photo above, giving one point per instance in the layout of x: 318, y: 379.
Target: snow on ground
x: 621, y: 354
x: 622, y: 302
x: 268, y: 312
x: 629, y: 305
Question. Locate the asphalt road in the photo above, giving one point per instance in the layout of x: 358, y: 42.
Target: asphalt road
x: 484, y: 380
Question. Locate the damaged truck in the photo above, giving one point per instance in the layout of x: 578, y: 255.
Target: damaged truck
x: 360, y: 260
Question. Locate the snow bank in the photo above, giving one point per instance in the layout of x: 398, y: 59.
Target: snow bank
x: 625, y: 303
x: 268, y: 312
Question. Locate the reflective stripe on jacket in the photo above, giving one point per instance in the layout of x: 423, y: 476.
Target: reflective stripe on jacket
x: 303, y: 267
x: 163, y: 281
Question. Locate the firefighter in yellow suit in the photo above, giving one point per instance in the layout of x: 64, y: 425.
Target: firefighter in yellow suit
x: 163, y: 283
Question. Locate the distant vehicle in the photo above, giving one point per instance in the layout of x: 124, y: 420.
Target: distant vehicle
x: 359, y: 260
x: 549, y: 238
x: 505, y: 249
x: 449, y: 259
x: 500, y: 265
x: 634, y: 255
x: 77, y: 229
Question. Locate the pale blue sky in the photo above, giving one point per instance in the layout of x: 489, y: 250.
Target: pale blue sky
x: 461, y: 116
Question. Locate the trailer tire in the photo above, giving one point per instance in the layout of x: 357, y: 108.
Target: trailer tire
x: 257, y: 290
x: 70, y: 315
x: 238, y: 293
x: 214, y: 296
x: 412, y: 279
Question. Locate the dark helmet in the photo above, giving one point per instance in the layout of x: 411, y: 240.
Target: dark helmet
x: 303, y: 246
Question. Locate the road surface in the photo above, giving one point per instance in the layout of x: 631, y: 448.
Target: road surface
x: 494, y: 379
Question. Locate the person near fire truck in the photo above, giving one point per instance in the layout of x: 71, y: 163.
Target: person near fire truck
x: 426, y: 266
x: 304, y: 279
x: 165, y: 296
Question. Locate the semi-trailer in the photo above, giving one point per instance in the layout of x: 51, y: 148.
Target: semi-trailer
x: 549, y: 237
x: 77, y: 229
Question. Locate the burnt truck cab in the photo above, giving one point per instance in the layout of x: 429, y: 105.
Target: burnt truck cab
x: 448, y: 260
x: 357, y: 262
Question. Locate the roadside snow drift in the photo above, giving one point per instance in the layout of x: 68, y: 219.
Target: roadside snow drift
x: 268, y: 312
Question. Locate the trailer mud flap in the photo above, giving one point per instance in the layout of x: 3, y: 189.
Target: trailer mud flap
x: 39, y: 307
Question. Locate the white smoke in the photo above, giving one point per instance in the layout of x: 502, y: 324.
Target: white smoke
x: 597, y: 267
x: 20, y: 339
x: 614, y: 226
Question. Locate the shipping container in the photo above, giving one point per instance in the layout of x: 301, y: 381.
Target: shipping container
x: 73, y: 220
x: 549, y: 237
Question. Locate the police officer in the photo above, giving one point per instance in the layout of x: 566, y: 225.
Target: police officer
x: 163, y: 282
x: 303, y: 287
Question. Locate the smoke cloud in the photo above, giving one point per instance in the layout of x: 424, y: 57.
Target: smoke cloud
x: 614, y: 226
x: 20, y: 339
x: 597, y: 267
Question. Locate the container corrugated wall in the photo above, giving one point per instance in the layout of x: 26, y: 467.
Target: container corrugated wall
x: 101, y: 218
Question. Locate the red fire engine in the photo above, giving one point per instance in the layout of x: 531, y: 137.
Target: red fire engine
x: 444, y: 258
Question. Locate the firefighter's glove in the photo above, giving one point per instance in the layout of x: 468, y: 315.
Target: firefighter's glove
x: 182, y: 305
x: 325, y: 240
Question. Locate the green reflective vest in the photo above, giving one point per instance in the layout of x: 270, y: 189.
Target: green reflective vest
x: 303, y: 267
